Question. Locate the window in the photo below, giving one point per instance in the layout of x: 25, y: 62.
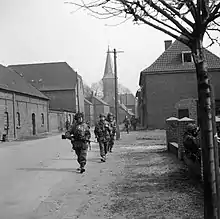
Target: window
x: 18, y: 117
x: 70, y: 118
x: 42, y: 119
x: 183, y: 113
x: 186, y: 57
x: 6, y: 121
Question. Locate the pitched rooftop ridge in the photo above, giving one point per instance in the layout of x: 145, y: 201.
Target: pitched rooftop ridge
x: 171, y: 60
x: 108, y: 72
x: 14, y: 82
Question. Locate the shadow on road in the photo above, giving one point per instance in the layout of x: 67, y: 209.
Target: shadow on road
x: 72, y: 159
x: 50, y: 169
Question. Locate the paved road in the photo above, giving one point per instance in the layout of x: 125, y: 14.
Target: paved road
x: 140, y: 180
x: 28, y: 172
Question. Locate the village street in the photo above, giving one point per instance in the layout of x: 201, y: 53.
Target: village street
x: 38, y: 179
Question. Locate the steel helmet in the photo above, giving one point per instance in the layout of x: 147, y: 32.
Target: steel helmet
x: 101, y: 115
x: 79, y: 115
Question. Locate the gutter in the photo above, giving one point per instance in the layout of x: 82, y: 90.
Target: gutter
x: 14, y: 114
x: 189, y: 71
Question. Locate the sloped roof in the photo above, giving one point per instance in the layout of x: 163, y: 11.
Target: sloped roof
x: 171, y: 60
x: 108, y: 72
x: 100, y: 100
x: 12, y: 81
x: 123, y: 107
x: 127, y: 99
x: 86, y: 101
x: 48, y: 76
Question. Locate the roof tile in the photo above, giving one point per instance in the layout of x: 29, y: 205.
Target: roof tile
x: 170, y: 60
x: 12, y: 81
x: 48, y: 76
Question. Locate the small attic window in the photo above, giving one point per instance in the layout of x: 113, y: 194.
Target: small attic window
x: 186, y: 56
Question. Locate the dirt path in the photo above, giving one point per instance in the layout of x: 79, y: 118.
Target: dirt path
x: 140, y: 180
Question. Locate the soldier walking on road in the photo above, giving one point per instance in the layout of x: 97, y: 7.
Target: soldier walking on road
x: 102, y: 133
x: 127, y: 123
x: 112, y: 125
x: 134, y: 122
x: 79, y: 134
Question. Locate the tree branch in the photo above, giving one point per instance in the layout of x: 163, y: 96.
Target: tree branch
x: 165, y: 14
x: 176, y: 13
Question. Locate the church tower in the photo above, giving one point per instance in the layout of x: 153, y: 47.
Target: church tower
x: 108, y: 79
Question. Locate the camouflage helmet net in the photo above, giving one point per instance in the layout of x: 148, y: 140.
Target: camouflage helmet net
x: 110, y: 114
x: 191, y: 127
x: 101, y: 115
x: 79, y: 115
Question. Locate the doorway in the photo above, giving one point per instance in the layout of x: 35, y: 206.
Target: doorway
x: 33, y: 124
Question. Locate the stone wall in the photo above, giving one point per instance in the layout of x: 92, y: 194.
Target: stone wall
x: 56, y: 121
x: 190, y: 104
x: 175, y: 129
x: 22, y: 116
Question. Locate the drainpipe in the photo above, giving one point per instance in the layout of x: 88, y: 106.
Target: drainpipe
x: 14, y: 115
x: 77, y: 87
x: 48, y: 117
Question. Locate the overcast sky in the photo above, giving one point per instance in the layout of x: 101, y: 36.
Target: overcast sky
x: 35, y: 31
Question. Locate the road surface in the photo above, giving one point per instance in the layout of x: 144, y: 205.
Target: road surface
x: 38, y: 180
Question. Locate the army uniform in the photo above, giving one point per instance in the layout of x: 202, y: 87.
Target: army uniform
x: 79, y: 134
x: 127, y: 123
x: 102, y: 133
x: 112, y: 126
x: 190, y: 143
x: 134, y: 122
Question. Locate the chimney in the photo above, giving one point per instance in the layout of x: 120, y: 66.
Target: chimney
x: 168, y: 43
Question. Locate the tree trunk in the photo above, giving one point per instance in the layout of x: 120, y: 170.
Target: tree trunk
x: 216, y: 151
x: 207, y: 136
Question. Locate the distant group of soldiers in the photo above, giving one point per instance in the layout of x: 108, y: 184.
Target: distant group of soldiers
x: 79, y: 134
x: 130, y: 123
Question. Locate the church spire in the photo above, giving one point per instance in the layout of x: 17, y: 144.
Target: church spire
x: 108, y: 73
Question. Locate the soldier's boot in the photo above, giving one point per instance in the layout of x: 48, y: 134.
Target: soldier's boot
x: 82, y: 168
x: 110, y: 149
x: 103, y: 158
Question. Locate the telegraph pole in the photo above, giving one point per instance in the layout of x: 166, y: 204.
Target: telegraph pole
x: 77, y: 87
x: 116, y: 93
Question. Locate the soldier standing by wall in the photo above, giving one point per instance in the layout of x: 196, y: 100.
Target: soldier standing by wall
x: 102, y: 133
x: 112, y: 125
x: 79, y: 134
x: 191, y: 147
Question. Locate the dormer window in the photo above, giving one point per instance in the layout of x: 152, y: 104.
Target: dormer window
x: 186, y: 56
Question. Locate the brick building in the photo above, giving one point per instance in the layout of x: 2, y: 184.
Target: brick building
x: 128, y: 100
x: 23, y: 108
x: 100, y: 106
x: 169, y: 79
x: 89, y: 112
x: 58, y: 81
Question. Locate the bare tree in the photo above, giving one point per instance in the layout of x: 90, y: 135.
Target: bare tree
x: 123, y: 90
x: 97, y: 88
x: 87, y: 90
x: 187, y: 21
